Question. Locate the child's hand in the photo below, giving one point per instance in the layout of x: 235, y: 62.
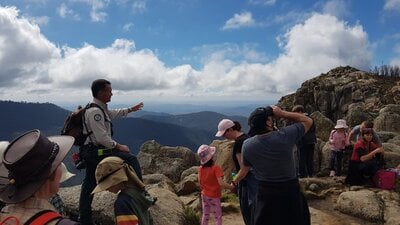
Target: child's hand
x: 234, y: 188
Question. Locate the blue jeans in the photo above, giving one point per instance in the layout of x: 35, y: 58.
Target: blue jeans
x: 247, y: 190
x: 336, y: 157
x: 89, y: 182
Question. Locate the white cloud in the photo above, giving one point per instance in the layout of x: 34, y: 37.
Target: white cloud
x: 396, y: 60
x: 24, y: 51
x: 42, y: 20
x: 320, y: 43
x: 127, y: 27
x: 65, y: 12
x: 33, y: 69
x: 97, y: 13
x: 244, y: 19
x: 392, y: 5
x: 139, y: 6
x: 338, y: 8
x: 262, y: 2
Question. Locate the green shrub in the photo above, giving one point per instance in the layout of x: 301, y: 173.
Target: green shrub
x: 229, y: 197
x: 191, y: 216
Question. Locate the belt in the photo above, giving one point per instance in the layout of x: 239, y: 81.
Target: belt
x: 104, y: 151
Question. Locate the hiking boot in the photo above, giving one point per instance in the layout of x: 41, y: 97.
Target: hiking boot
x: 332, y: 173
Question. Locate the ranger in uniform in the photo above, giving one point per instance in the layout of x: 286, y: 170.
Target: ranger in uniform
x: 100, y: 143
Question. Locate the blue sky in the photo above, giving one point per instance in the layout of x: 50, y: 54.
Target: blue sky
x: 187, y: 50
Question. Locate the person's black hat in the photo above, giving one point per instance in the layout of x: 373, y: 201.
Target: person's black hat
x: 257, y: 120
x: 28, y: 162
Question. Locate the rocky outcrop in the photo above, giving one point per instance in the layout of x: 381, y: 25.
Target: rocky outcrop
x: 345, y: 93
x: 170, y: 161
x: 388, y: 119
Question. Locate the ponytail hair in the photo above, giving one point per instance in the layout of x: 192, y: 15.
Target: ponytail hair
x: 237, y: 126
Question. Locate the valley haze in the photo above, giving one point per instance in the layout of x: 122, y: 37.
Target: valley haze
x: 239, y: 108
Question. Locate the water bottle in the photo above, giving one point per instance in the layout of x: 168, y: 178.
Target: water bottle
x: 233, y: 175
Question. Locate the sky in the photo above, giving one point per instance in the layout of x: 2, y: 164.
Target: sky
x: 187, y: 50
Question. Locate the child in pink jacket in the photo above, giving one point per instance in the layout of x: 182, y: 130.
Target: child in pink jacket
x: 338, y: 139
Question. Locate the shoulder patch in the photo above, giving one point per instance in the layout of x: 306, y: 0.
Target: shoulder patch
x: 97, y: 117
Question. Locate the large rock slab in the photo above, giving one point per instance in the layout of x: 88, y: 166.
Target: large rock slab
x: 364, y: 204
x: 170, y: 161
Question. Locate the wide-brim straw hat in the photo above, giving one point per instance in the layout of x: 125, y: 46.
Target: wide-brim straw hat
x: 28, y: 162
x: 66, y: 175
x: 113, y: 170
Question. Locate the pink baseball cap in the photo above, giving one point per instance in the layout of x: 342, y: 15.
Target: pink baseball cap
x: 224, y: 125
x: 206, y: 153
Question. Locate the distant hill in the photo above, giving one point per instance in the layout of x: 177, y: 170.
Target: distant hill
x: 18, y: 117
x: 187, y: 130
x: 204, y: 120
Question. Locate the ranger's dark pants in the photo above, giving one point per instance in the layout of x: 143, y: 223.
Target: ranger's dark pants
x: 89, y: 182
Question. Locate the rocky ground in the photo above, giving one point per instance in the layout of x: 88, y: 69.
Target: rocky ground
x: 324, y: 211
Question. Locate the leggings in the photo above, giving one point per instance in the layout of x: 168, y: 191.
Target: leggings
x: 211, y: 205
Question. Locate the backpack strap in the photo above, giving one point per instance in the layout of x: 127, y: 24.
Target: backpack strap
x: 43, y: 217
x: 10, y: 218
x: 90, y: 105
x: 65, y: 221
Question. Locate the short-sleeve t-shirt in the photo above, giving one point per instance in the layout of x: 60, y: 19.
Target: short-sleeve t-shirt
x: 208, y: 179
x: 360, y: 149
x: 237, y: 149
x: 271, y: 155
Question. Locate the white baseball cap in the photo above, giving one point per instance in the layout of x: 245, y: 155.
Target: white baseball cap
x: 224, y: 125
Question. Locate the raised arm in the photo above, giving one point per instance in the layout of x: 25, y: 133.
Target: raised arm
x: 295, y: 117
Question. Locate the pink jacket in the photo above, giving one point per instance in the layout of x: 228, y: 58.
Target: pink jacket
x: 338, y: 140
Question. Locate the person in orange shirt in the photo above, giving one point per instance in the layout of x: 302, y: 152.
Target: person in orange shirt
x: 210, y: 180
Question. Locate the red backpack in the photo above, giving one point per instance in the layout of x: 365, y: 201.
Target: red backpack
x: 385, y: 179
x: 40, y: 218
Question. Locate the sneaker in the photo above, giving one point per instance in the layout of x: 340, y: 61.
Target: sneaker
x: 332, y: 173
x: 150, y: 198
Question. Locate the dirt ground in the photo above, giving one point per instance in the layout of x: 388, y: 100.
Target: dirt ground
x: 322, y: 207
x: 232, y: 219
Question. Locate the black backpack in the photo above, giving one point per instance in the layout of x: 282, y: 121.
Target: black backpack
x: 74, y: 123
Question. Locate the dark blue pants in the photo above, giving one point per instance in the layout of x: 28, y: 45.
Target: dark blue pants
x: 281, y: 203
x: 306, y: 160
x: 336, y: 158
x: 89, y: 182
x: 244, y: 202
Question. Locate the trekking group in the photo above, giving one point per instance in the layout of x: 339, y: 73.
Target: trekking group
x: 267, y: 170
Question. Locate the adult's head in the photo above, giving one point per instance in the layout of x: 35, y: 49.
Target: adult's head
x: 112, y: 174
x: 101, y: 90
x: 298, y: 109
x: 367, y: 134
x: 30, y: 161
x: 229, y: 129
x: 260, y: 120
x: 367, y: 124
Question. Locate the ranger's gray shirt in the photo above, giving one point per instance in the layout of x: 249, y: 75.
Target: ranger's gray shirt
x: 100, y: 125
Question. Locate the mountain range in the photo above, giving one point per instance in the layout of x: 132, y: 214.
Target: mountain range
x: 188, y: 130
